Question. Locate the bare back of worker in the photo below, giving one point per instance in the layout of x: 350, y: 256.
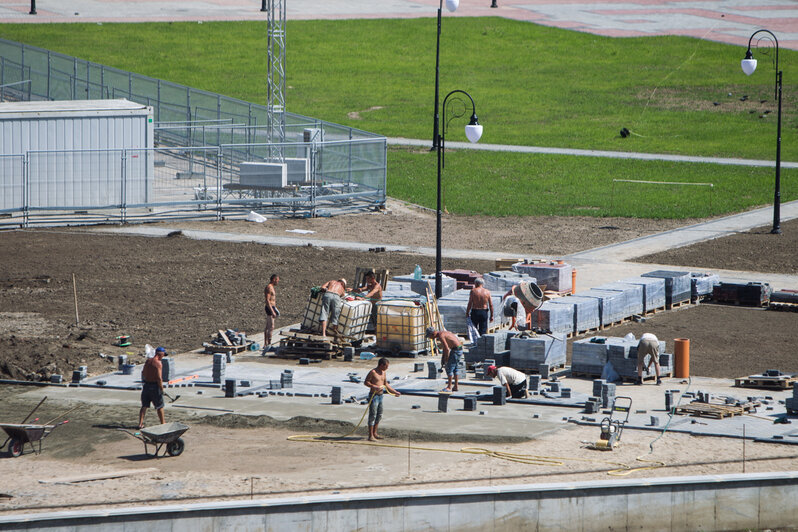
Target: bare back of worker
x: 480, y: 299
x: 336, y: 287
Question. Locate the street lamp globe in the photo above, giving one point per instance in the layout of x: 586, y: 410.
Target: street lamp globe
x: 452, y: 5
x: 749, y: 63
x: 473, y: 130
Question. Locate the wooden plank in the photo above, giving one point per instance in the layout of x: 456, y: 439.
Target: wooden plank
x: 225, y: 338
x: 100, y: 476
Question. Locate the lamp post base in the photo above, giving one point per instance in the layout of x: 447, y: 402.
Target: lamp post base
x: 775, y: 231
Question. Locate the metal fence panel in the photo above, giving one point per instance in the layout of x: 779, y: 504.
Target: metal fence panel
x: 12, y: 183
x: 75, y: 179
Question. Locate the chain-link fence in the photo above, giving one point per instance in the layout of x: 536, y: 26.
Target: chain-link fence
x: 201, y: 142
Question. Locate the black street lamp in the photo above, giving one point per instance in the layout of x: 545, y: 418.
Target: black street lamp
x: 749, y: 65
x: 451, y: 5
x: 473, y: 132
x: 32, y: 7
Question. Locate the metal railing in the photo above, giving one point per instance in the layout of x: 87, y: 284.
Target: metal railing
x: 201, y: 139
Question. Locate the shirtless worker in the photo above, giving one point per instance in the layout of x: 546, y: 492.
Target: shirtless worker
x: 452, y: 354
x: 270, y: 300
x: 373, y: 292
x: 152, y: 390
x: 480, y: 307
x: 377, y: 382
x: 332, y: 300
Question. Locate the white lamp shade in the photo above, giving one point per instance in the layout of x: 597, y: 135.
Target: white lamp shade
x: 473, y: 132
x: 749, y: 65
x: 452, y: 5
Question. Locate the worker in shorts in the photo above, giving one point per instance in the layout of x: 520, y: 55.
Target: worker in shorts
x: 270, y: 301
x: 152, y: 389
x: 332, y: 300
x: 452, y: 348
x: 512, y: 379
x: 648, y: 345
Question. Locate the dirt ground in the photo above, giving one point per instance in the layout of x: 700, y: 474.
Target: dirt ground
x: 176, y: 292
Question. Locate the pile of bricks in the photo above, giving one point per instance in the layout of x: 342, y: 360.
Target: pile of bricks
x: 554, y: 318
x: 493, y: 346
x: 168, y: 371
x: 529, y: 353
x: 611, y: 305
x: 503, y: 281
x: 632, y: 296
x: 585, y: 310
x: 677, y: 286
x: 555, y: 275
x: 219, y: 367
x: 702, y: 284
x: 653, y: 291
x: 465, y: 278
x: 427, y: 282
x: 792, y: 402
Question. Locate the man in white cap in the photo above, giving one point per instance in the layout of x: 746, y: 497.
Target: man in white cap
x: 648, y: 345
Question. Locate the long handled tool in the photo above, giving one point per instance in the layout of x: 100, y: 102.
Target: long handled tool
x: 171, y: 399
x: 26, y: 418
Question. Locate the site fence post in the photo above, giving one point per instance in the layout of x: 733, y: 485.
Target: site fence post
x: 122, y: 207
x: 219, y: 183
x: 25, y: 189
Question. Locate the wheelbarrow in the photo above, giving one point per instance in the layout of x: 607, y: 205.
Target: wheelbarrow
x: 20, y: 434
x: 160, y: 436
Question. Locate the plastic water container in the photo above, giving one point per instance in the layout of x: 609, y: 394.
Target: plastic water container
x: 127, y: 369
x: 367, y: 355
x: 400, y: 326
x: 417, y: 272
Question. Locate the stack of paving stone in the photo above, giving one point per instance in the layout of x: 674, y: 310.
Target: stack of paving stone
x: 748, y: 294
x: 611, y: 305
x: 653, y: 291
x: 632, y: 297
x: 219, y: 367
x: 287, y: 378
x: 554, y: 318
x: 503, y: 281
x: 465, y: 278
x: 701, y: 284
x: 394, y: 289
x: 453, y: 310
x: 677, y: 286
x: 590, y: 355
x: 448, y: 285
x: 586, y: 311
x: 528, y: 353
x: 607, y: 394
x: 554, y: 275
x: 167, y: 369
x: 495, y: 346
x: 792, y: 402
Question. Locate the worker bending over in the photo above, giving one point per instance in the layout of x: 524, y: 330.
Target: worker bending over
x: 332, y: 300
x: 512, y: 379
x: 648, y: 345
x: 452, y: 348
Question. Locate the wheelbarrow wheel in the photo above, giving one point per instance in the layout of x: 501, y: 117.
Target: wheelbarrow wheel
x: 15, y: 447
x: 176, y: 447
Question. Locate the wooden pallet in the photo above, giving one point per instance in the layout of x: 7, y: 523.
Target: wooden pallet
x: 677, y: 304
x: 535, y: 371
x: 594, y: 330
x: 213, y: 348
x: 652, y: 311
x: 308, y: 346
x: 784, y: 307
x: 615, y: 323
x: 712, y: 410
x: 782, y: 382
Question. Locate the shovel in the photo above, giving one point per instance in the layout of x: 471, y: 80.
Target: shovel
x: 171, y: 399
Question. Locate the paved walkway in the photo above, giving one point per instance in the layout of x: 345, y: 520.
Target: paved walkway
x: 728, y: 21
x: 594, y: 153
x: 596, y: 266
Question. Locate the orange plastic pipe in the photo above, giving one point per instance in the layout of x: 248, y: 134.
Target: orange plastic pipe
x: 682, y: 362
x: 573, y: 280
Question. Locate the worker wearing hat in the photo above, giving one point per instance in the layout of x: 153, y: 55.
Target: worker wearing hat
x: 513, y: 380
x: 452, y: 354
x: 152, y: 389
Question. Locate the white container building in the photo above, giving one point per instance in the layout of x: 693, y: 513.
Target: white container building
x: 79, y: 153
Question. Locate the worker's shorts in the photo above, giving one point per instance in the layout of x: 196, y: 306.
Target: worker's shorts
x: 331, y: 304
x: 519, y: 390
x: 151, y: 393
x: 455, y: 356
x: 647, y: 347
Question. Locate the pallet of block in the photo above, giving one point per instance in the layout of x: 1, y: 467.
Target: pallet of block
x: 235, y: 349
x: 768, y: 382
x: 306, y: 345
x: 713, y: 410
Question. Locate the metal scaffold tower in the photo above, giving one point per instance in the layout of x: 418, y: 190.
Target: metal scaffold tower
x: 275, y: 105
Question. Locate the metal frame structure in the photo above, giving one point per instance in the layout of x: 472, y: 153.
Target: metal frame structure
x: 275, y: 104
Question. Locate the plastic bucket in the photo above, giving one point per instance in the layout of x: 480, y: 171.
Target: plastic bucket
x: 127, y: 369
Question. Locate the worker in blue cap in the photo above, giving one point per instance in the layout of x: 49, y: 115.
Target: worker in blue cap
x: 152, y: 389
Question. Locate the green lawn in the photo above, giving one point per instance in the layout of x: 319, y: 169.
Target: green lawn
x: 532, y: 85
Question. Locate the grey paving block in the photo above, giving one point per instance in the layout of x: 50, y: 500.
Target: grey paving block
x: 702, y: 284
x: 677, y: 285
x: 554, y: 276
x: 612, y: 305
x: 632, y: 296
x: 499, y: 395
x: 555, y: 318
x: 653, y: 291
x: 527, y: 353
